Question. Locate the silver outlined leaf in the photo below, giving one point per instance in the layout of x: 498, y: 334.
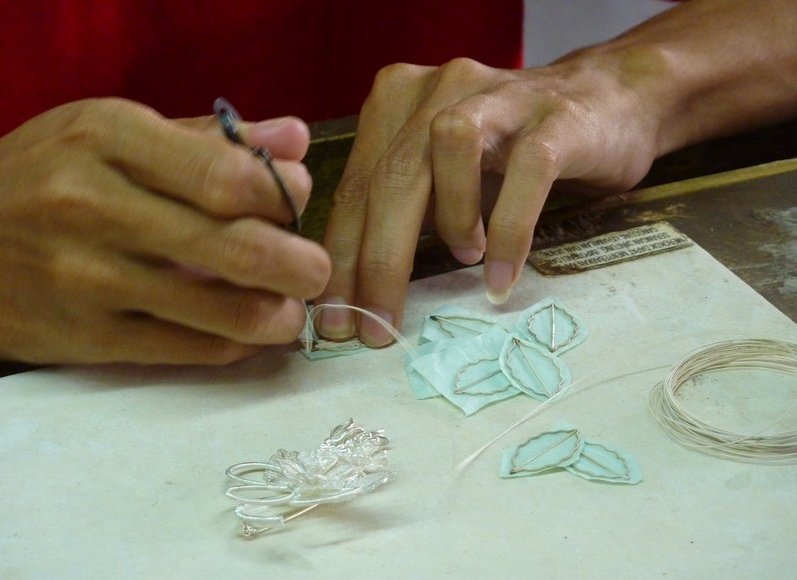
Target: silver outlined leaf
x: 452, y: 322
x: 532, y: 370
x: 460, y: 325
x: 475, y: 378
x: 551, y: 326
x: 549, y: 450
x: 600, y: 463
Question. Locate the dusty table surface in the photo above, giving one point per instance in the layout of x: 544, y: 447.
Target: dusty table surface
x: 120, y: 468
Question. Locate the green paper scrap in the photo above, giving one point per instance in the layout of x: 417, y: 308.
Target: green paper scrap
x: 549, y: 450
x: 551, y: 326
x: 481, y: 377
x: 532, y: 369
x: 421, y: 388
x: 600, y: 463
x: 565, y: 449
x: 466, y: 371
x: 454, y: 322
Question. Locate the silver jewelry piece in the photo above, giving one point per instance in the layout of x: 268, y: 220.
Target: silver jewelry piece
x: 349, y: 463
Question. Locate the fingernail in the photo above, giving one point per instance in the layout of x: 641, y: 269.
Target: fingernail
x: 374, y: 334
x: 271, y: 123
x: 499, y: 277
x: 336, y: 322
x: 468, y: 256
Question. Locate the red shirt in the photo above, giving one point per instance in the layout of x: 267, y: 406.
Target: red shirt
x: 311, y: 58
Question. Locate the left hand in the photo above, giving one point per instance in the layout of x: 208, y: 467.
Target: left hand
x: 436, y: 129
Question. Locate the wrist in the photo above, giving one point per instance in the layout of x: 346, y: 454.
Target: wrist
x: 707, y: 68
x: 640, y: 82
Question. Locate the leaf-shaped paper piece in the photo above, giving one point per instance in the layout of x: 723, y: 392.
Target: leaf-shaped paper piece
x: 454, y: 322
x: 552, y: 326
x: 482, y: 377
x: 549, y: 450
x: 462, y: 372
x: 456, y: 326
x: 531, y: 369
x: 598, y: 462
x: 421, y: 387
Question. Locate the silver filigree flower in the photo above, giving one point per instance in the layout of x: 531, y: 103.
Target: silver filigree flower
x: 347, y: 464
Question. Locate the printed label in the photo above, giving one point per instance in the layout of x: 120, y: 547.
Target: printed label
x: 609, y: 249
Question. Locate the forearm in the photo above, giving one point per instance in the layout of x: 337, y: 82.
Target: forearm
x: 708, y: 68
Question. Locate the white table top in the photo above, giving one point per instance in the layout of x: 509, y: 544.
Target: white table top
x: 118, y: 472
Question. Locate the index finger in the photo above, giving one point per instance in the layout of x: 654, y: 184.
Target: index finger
x: 380, y: 120
x: 398, y: 197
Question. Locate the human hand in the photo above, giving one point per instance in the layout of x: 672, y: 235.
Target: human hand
x: 425, y: 129
x: 125, y: 236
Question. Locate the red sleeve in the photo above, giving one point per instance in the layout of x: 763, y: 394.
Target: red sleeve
x: 311, y: 58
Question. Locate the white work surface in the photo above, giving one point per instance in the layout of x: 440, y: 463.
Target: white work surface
x: 118, y: 472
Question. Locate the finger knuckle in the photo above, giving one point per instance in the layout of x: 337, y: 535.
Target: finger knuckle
x: 387, y: 267
x: 392, y: 76
x: 95, y: 122
x: 511, y: 226
x: 222, y: 181
x: 567, y: 107
x: 252, y: 317
x: 66, y: 204
x: 402, y: 166
x: 398, y: 170
x: 539, y: 150
x: 460, y: 68
x: 344, y: 251
x: 352, y: 191
x: 455, y: 128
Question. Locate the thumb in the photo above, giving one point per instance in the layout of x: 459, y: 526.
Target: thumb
x: 286, y: 137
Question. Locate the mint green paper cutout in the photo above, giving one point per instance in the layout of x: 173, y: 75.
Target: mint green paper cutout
x: 421, y: 388
x: 600, y: 463
x: 551, y: 326
x: 531, y: 369
x: 544, y: 452
x: 454, y: 322
x: 481, y: 378
x: 463, y: 374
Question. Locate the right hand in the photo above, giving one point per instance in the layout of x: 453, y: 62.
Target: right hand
x: 125, y: 236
